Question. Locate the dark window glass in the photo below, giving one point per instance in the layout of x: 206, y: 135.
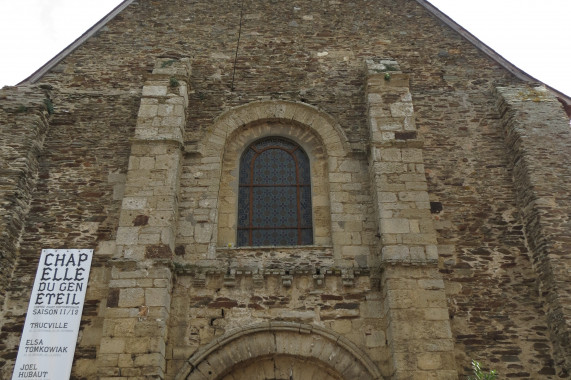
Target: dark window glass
x: 274, y: 200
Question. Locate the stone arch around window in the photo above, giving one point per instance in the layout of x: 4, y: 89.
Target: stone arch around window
x: 229, y: 186
x: 317, y: 133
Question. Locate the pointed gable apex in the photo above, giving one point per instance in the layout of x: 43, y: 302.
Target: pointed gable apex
x: 513, y: 69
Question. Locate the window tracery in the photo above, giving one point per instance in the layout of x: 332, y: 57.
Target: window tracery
x: 274, y: 200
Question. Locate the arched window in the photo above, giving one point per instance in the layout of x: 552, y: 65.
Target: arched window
x: 274, y: 201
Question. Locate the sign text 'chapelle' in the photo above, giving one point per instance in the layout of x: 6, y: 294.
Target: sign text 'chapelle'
x: 54, y: 314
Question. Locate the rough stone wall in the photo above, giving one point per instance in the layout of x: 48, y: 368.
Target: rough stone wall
x: 484, y: 256
x: 205, y: 311
x: 316, y: 56
x: 538, y: 138
x: 75, y: 203
x: 23, y: 126
x: 313, y: 52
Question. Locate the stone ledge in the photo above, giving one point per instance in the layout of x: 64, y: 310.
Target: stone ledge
x: 233, y: 271
x: 409, y: 262
x: 232, y: 275
x: 230, y: 252
x: 157, y: 139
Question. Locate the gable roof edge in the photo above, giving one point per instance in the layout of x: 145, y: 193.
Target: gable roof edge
x: 38, y: 74
x: 519, y: 73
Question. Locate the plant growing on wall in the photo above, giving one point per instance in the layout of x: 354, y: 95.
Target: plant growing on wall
x: 168, y: 63
x: 173, y: 82
x: 479, y: 374
x: 49, y: 106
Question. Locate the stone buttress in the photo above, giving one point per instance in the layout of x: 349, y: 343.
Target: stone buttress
x: 538, y: 142
x: 138, y: 305
x: 414, y: 300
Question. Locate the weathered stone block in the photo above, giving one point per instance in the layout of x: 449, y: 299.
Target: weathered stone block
x: 147, y: 111
x: 129, y: 297
x: 402, y: 109
x: 131, y: 203
x: 395, y: 252
x: 154, y: 90
x: 106, y: 248
x: 130, y: 283
x: 432, y: 284
x: 157, y: 297
x: 412, y: 155
x: 390, y: 154
x: 112, y: 345
x: 108, y: 360
x: 429, y: 361
x: 395, y: 226
x: 417, y: 254
x: 436, y: 314
x: 413, y: 196
x: 375, y: 339
x: 203, y: 232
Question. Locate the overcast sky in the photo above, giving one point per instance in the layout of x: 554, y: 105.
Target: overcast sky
x: 533, y: 35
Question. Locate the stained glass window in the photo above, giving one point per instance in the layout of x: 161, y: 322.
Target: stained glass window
x: 274, y: 200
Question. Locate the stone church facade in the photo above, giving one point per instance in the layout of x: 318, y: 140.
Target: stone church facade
x: 292, y: 190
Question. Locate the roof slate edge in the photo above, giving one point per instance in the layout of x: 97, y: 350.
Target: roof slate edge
x: 38, y: 74
x: 519, y: 73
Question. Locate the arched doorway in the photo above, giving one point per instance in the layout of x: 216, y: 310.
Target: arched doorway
x: 281, y: 367
x: 280, y: 351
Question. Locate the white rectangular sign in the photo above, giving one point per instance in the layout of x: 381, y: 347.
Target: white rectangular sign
x: 54, y: 313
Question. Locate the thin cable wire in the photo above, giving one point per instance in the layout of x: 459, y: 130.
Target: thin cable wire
x: 237, y: 44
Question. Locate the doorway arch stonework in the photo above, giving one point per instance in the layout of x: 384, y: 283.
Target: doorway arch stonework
x: 246, y: 349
